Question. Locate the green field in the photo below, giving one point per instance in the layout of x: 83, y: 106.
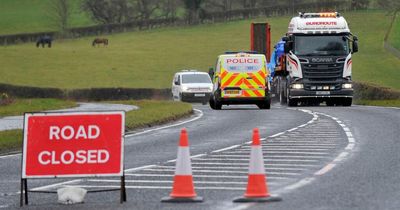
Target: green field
x: 394, y: 37
x: 27, y: 16
x: 148, y: 59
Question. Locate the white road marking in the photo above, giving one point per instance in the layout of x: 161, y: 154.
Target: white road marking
x: 298, y: 184
x: 246, y: 164
x: 162, y: 181
x: 226, y: 148
x: 325, y: 169
x: 156, y: 187
x: 279, y: 152
x: 139, y: 168
x: 9, y: 156
x: 276, y: 156
x: 266, y: 159
x: 56, y: 185
x: 342, y: 156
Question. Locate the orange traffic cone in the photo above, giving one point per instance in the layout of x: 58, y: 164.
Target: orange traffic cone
x: 183, y: 188
x: 257, y: 190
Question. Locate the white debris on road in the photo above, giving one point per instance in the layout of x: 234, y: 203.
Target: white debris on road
x: 71, y: 195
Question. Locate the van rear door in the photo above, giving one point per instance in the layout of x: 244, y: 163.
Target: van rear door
x: 243, y: 76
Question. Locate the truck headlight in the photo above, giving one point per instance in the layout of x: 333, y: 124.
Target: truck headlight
x: 297, y: 86
x: 347, y: 86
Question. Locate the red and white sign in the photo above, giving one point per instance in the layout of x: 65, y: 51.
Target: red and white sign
x: 73, y: 144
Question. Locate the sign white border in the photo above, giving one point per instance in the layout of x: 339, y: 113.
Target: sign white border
x: 25, y: 130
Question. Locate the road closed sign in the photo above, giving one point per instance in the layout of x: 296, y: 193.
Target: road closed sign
x: 73, y: 144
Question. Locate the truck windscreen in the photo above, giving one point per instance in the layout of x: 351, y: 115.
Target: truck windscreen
x: 321, y: 45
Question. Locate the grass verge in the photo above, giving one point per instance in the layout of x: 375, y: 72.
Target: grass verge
x: 386, y: 103
x: 150, y: 113
x: 19, y: 106
x: 27, y: 16
x: 394, y: 36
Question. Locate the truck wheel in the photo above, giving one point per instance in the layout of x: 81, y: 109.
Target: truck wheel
x: 282, y: 99
x: 291, y: 102
x: 212, y: 102
x: 264, y: 105
x: 347, y: 101
x: 218, y: 105
x: 330, y: 102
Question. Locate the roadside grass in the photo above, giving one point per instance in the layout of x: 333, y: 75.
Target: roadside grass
x: 19, y: 106
x: 10, y: 140
x: 150, y: 113
x: 27, y: 16
x: 148, y: 59
x: 394, y: 36
x: 386, y: 103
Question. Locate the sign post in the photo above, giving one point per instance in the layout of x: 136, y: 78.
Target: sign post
x: 73, y: 144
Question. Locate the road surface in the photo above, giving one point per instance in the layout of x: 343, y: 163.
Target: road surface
x: 315, y: 158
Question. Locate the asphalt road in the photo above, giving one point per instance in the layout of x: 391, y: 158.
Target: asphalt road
x: 315, y: 158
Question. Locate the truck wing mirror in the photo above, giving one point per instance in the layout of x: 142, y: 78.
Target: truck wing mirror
x: 285, y: 39
x: 355, y: 45
x: 211, y: 72
x: 288, y: 46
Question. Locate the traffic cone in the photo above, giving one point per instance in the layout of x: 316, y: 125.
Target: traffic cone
x: 257, y: 190
x: 183, y: 188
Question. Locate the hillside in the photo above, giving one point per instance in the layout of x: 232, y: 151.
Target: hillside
x: 149, y: 58
x: 26, y: 16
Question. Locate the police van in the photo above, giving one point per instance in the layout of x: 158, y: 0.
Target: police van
x: 240, y: 78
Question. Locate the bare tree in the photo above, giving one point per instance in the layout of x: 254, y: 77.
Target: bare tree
x: 221, y: 5
x: 193, y: 9
x: 168, y: 8
x: 146, y: 8
x: 109, y: 11
x: 392, y: 6
x: 59, y: 12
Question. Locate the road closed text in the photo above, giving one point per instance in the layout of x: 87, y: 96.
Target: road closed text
x: 64, y: 144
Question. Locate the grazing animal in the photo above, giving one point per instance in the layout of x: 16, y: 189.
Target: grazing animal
x: 46, y: 39
x: 99, y: 41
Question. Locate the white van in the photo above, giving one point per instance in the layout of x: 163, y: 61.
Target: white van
x: 192, y: 86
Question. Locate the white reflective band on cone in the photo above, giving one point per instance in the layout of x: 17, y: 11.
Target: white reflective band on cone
x: 256, y: 161
x: 183, y: 164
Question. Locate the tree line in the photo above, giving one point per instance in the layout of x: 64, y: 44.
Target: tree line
x: 123, y: 11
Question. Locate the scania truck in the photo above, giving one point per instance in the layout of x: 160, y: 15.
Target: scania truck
x: 316, y: 64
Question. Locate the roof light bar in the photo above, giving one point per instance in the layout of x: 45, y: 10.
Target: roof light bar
x: 320, y: 14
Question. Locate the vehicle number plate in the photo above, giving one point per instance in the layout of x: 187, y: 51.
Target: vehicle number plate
x: 323, y: 92
x: 199, y: 94
x: 232, y: 92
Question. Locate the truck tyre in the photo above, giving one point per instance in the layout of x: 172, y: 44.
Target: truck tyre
x: 264, y: 105
x: 330, y: 102
x: 291, y: 102
x: 218, y: 105
x: 282, y: 97
x: 212, y: 102
x: 347, y: 101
